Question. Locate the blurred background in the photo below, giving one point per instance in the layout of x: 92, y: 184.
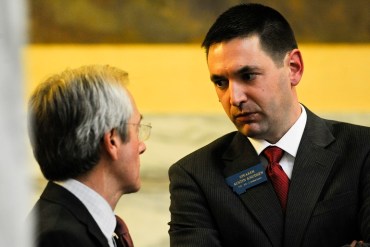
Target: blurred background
x: 158, y: 43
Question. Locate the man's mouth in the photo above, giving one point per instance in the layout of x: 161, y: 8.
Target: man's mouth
x: 246, y: 117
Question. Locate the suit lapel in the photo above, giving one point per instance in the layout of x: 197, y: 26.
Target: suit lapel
x: 260, y: 200
x: 311, y: 169
x: 60, y: 195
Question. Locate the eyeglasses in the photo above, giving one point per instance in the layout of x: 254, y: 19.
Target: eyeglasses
x: 144, y: 130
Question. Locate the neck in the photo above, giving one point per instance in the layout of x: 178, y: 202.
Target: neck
x: 99, y: 181
x: 290, y: 121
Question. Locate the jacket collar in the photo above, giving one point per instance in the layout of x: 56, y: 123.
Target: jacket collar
x: 261, y: 199
x: 57, y: 194
x: 312, y: 167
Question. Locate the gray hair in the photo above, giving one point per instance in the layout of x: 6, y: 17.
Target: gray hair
x: 69, y: 114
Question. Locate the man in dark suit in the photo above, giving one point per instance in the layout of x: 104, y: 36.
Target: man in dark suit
x: 86, y: 135
x: 236, y: 191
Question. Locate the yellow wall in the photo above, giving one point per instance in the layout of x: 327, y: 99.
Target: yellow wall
x: 174, y: 78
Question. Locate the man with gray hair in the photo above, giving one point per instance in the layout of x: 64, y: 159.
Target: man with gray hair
x: 86, y: 134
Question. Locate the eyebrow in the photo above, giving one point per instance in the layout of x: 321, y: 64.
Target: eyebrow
x: 246, y: 69
x: 242, y: 70
x: 216, y: 78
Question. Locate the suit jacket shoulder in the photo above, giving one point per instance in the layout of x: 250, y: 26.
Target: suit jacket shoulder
x: 351, y: 132
x: 62, y: 220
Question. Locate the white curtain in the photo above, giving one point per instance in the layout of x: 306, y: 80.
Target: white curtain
x: 14, y: 182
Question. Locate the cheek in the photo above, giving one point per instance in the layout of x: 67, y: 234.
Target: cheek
x: 223, y: 97
x: 136, y: 153
x: 133, y: 164
x: 131, y: 154
x: 226, y: 105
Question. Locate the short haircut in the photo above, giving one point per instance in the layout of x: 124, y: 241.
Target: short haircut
x: 69, y: 114
x: 245, y: 20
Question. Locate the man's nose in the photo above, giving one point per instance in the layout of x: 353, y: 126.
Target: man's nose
x: 142, y: 147
x: 238, y: 94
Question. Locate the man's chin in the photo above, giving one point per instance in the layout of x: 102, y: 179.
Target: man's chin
x: 250, y: 130
x: 134, y: 188
x: 244, y: 129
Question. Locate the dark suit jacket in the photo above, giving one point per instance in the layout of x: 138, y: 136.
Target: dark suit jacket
x: 329, y: 194
x: 62, y: 220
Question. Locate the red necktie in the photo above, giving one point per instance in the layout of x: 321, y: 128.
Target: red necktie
x: 124, y: 238
x: 278, y: 177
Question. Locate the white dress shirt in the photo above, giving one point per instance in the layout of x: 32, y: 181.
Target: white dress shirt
x: 98, y: 207
x: 289, y: 143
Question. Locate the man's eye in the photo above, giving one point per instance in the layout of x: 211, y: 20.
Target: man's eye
x: 248, y: 76
x: 221, y: 83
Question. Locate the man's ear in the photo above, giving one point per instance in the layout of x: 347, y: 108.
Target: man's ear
x: 110, y: 143
x: 296, y: 66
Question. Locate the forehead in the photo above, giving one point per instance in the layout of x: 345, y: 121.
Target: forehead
x: 136, y: 116
x: 227, y: 58
x: 248, y: 42
x: 237, y: 52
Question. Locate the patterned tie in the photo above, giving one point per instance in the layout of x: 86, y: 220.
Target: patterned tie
x: 278, y: 177
x: 123, y: 238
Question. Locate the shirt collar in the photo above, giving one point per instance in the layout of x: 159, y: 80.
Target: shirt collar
x: 290, y: 141
x: 98, y: 207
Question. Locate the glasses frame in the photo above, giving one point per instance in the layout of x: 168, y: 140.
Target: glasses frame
x: 144, y: 130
